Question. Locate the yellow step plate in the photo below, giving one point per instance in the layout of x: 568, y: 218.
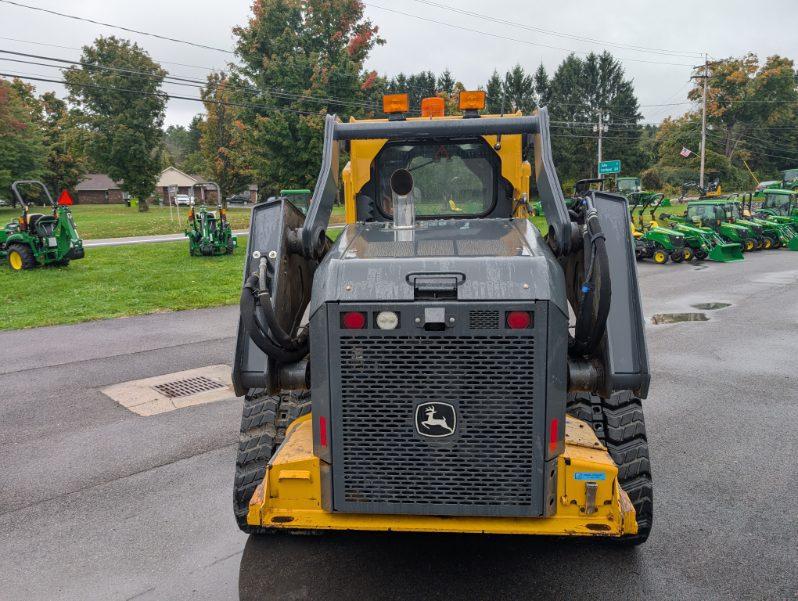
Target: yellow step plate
x: 589, y: 500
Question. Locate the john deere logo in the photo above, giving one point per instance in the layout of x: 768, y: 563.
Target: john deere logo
x: 436, y: 420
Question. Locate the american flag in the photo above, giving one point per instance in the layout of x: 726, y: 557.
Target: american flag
x: 685, y: 152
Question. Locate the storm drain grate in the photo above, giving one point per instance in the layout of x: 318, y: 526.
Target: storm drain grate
x: 187, y: 387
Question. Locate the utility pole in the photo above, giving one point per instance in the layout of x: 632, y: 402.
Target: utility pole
x: 704, y: 122
x: 600, y: 128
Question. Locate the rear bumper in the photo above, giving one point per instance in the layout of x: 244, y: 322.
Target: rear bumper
x: 291, y: 496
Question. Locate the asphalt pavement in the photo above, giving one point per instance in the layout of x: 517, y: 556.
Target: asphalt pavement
x: 127, y: 240
x: 99, y: 503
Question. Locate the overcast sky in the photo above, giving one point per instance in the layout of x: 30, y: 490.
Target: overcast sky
x: 680, y: 27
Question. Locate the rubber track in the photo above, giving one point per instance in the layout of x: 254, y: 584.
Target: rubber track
x: 618, y: 422
x: 264, y: 419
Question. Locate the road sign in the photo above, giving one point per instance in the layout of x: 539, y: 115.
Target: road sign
x: 607, y: 167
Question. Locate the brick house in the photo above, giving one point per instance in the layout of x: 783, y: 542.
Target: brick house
x: 192, y: 185
x: 184, y: 183
x: 98, y: 188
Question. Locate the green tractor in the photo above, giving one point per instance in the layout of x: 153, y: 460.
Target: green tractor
x: 628, y: 185
x: 40, y: 239
x: 769, y: 234
x: 657, y: 243
x: 789, y: 179
x: 712, y: 214
x: 780, y: 206
x: 705, y: 242
x: 209, y: 233
x: 783, y: 231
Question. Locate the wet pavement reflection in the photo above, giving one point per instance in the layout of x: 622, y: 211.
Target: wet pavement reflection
x: 369, y: 566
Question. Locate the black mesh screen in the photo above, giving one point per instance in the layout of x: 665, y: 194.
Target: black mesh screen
x: 487, y: 463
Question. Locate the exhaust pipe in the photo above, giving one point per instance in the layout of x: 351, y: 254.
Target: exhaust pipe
x: 404, y: 210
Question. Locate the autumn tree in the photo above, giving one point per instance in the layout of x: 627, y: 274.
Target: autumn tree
x: 297, y: 62
x: 22, y: 144
x: 752, y: 110
x: 222, y: 137
x: 117, y: 93
x: 66, y: 162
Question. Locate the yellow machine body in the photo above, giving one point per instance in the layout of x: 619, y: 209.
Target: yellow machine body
x: 590, y: 501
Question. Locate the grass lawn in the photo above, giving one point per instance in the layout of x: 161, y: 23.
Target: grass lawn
x: 119, y: 221
x: 119, y: 281
x: 126, y: 280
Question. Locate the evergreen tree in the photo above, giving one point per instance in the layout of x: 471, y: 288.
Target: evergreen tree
x: 519, y: 91
x: 542, y: 85
x: 494, y: 94
x: 446, y: 82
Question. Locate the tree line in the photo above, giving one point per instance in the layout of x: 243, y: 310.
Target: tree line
x: 263, y: 117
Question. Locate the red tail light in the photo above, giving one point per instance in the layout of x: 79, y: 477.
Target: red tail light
x: 323, y: 431
x: 519, y: 320
x: 353, y: 320
x: 554, y: 434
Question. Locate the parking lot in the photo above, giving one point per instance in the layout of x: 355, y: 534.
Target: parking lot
x: 97, y: 502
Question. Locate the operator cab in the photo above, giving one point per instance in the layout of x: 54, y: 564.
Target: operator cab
x: 780, y: 203
x: 453, y: 178
x: 708, y: 215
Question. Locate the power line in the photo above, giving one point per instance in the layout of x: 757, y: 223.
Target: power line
x: 188, y: 82
x: 128, y: 29
x: 80, y: 49
x: 502, y: 37
x: 757, y: 150
x: 486, y: 17
x: 161, y: 94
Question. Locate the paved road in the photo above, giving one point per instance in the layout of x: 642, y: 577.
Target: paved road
x: 158, y: 238
x: 97, y: 503
x: 143, y: 239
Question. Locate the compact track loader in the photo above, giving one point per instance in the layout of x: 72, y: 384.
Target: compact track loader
x: 418, y: 373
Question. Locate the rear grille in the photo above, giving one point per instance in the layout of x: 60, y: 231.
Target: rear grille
x: 486, y: 468
x: 483, y: 319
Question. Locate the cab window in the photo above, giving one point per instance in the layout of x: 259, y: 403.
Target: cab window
x: 450, y: 179
x: 780, y: 202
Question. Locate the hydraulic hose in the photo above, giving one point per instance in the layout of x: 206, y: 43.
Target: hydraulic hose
x: 264, y: 337
x: 589, y: 330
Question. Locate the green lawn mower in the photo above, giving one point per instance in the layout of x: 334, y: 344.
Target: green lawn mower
x: 40, y: 239
x: 657, y: 243
x: 209, y: 233
x: 712, y: 214
x: 697, y: 243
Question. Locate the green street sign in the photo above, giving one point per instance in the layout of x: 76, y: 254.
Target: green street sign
x: 607, y: 167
